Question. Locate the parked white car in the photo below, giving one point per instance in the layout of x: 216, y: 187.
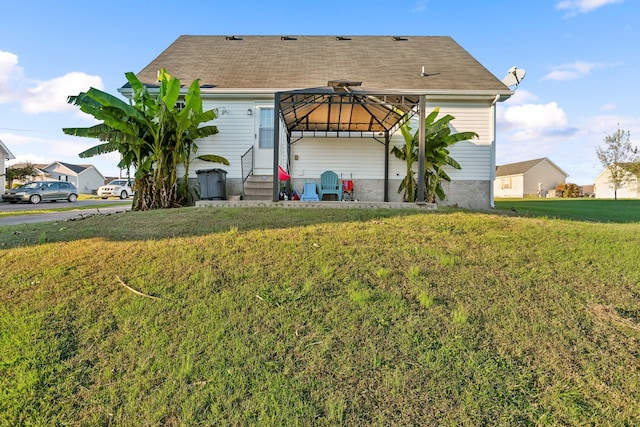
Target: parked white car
x: 117, y: 188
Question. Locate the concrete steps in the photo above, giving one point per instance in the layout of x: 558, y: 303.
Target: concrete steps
x: 258, y: 187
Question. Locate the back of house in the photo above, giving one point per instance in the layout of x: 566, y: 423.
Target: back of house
x: 241, y: 75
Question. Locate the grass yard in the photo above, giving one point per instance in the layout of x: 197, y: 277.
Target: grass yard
x: 596, y: 210
x: 320, y: 317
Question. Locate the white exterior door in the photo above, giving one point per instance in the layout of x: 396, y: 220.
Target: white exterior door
x: 263, y: 144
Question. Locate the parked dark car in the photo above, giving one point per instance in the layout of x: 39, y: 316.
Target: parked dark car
x: 37, y: 191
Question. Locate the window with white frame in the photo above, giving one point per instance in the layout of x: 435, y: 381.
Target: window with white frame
x: 265, y: 131
x: 506, y: 183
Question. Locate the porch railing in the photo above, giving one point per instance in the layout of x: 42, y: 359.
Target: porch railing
x: 246, y: 164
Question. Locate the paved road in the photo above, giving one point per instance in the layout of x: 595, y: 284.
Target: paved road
x: 15, y: 207
x: 58, y: 216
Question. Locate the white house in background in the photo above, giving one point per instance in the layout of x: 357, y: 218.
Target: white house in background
x: 628, y: 189
x: 86, y: 178
x: 5, y: 154
x: 40, y: 174
x: 537, y: 177
x: 242, y: 76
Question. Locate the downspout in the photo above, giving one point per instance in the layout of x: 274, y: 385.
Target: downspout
x: 492, y: 175
x: 386, y: 166
x: 276, y: 146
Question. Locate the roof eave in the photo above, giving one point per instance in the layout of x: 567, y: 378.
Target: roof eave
x: 8, y: 154
x: 497, y: 96
x: 488, y: 95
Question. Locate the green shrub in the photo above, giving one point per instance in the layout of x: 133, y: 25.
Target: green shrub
x: 568, y: 190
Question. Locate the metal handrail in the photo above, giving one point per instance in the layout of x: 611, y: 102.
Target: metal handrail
x: 246, y: 164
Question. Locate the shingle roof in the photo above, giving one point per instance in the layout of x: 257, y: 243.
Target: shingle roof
x: 522, y: 167
x: 38, y: 166
x: 75, y: 168
x: 517, y: 168
x: 8, y: 155
x: 274, y: 62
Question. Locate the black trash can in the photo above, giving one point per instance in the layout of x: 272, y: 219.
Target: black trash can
x: 212, y: 183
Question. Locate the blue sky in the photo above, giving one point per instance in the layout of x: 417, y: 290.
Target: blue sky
x: 582, y: 60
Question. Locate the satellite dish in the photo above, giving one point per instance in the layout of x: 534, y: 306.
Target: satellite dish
x: 514, y: 76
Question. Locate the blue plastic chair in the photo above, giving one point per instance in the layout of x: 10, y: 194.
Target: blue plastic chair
x: 309, y: 192
x: 330, y: 184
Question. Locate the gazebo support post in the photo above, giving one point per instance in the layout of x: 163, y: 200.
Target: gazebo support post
x: 288, y: 184
x: 421, y: 131
x: 386, y: 166
x: 276, y: 146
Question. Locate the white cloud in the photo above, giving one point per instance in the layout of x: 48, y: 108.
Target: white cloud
x: 8, y: 63
x: 535, y: 116
x: 40, y: 96
x: 56, y: 147
x: 583, y: 6
x: 51, y: 95
x: 561, y: 75
x: 570, y: 71
x: 608, y: 107
x: 521, y: 97
x: 571, y: 147
x: 420, y: 6
x: 65, y: 149
x: 9, y: 71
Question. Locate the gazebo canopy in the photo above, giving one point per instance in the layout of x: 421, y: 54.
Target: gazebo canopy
x: 344, y: 107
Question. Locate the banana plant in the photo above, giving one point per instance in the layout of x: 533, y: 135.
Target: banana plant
x: 152, y: 135
x: 438, y: 139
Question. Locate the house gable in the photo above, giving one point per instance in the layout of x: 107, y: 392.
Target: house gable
x: 4, y: 151
x: 629, y: 188
x: 522, y: 167
x: 530, y: 177
x: 5, y: 154
x: 40, y: 173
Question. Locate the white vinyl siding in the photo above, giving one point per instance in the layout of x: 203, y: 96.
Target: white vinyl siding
x: 537, y: 181
x: 630, y: 189
x: 474, y: 155
x: 543, y: 175
x: 2, y: 169
x: 235, y: 136
x: 508, y: 186
x: 362, y: 157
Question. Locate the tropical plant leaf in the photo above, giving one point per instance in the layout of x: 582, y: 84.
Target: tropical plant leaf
x: 214, y: 158
x: 438, y: 136
x: 99, y: 149
x: 108, y: 100
x: 150, y: 134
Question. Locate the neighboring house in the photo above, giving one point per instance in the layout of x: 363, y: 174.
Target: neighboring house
x: 41, y: 175
x: 243, y: 76
x: 628, y: 189
x: 86, y: 178
x: 537, y: 177
x: 588, y: 190
x: 5, y: 154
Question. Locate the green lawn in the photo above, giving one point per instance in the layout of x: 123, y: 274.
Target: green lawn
x: 597, y: 210
x: 276, y: 316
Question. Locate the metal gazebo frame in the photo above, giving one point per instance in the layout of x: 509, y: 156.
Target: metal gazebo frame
x: 345, y: 109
